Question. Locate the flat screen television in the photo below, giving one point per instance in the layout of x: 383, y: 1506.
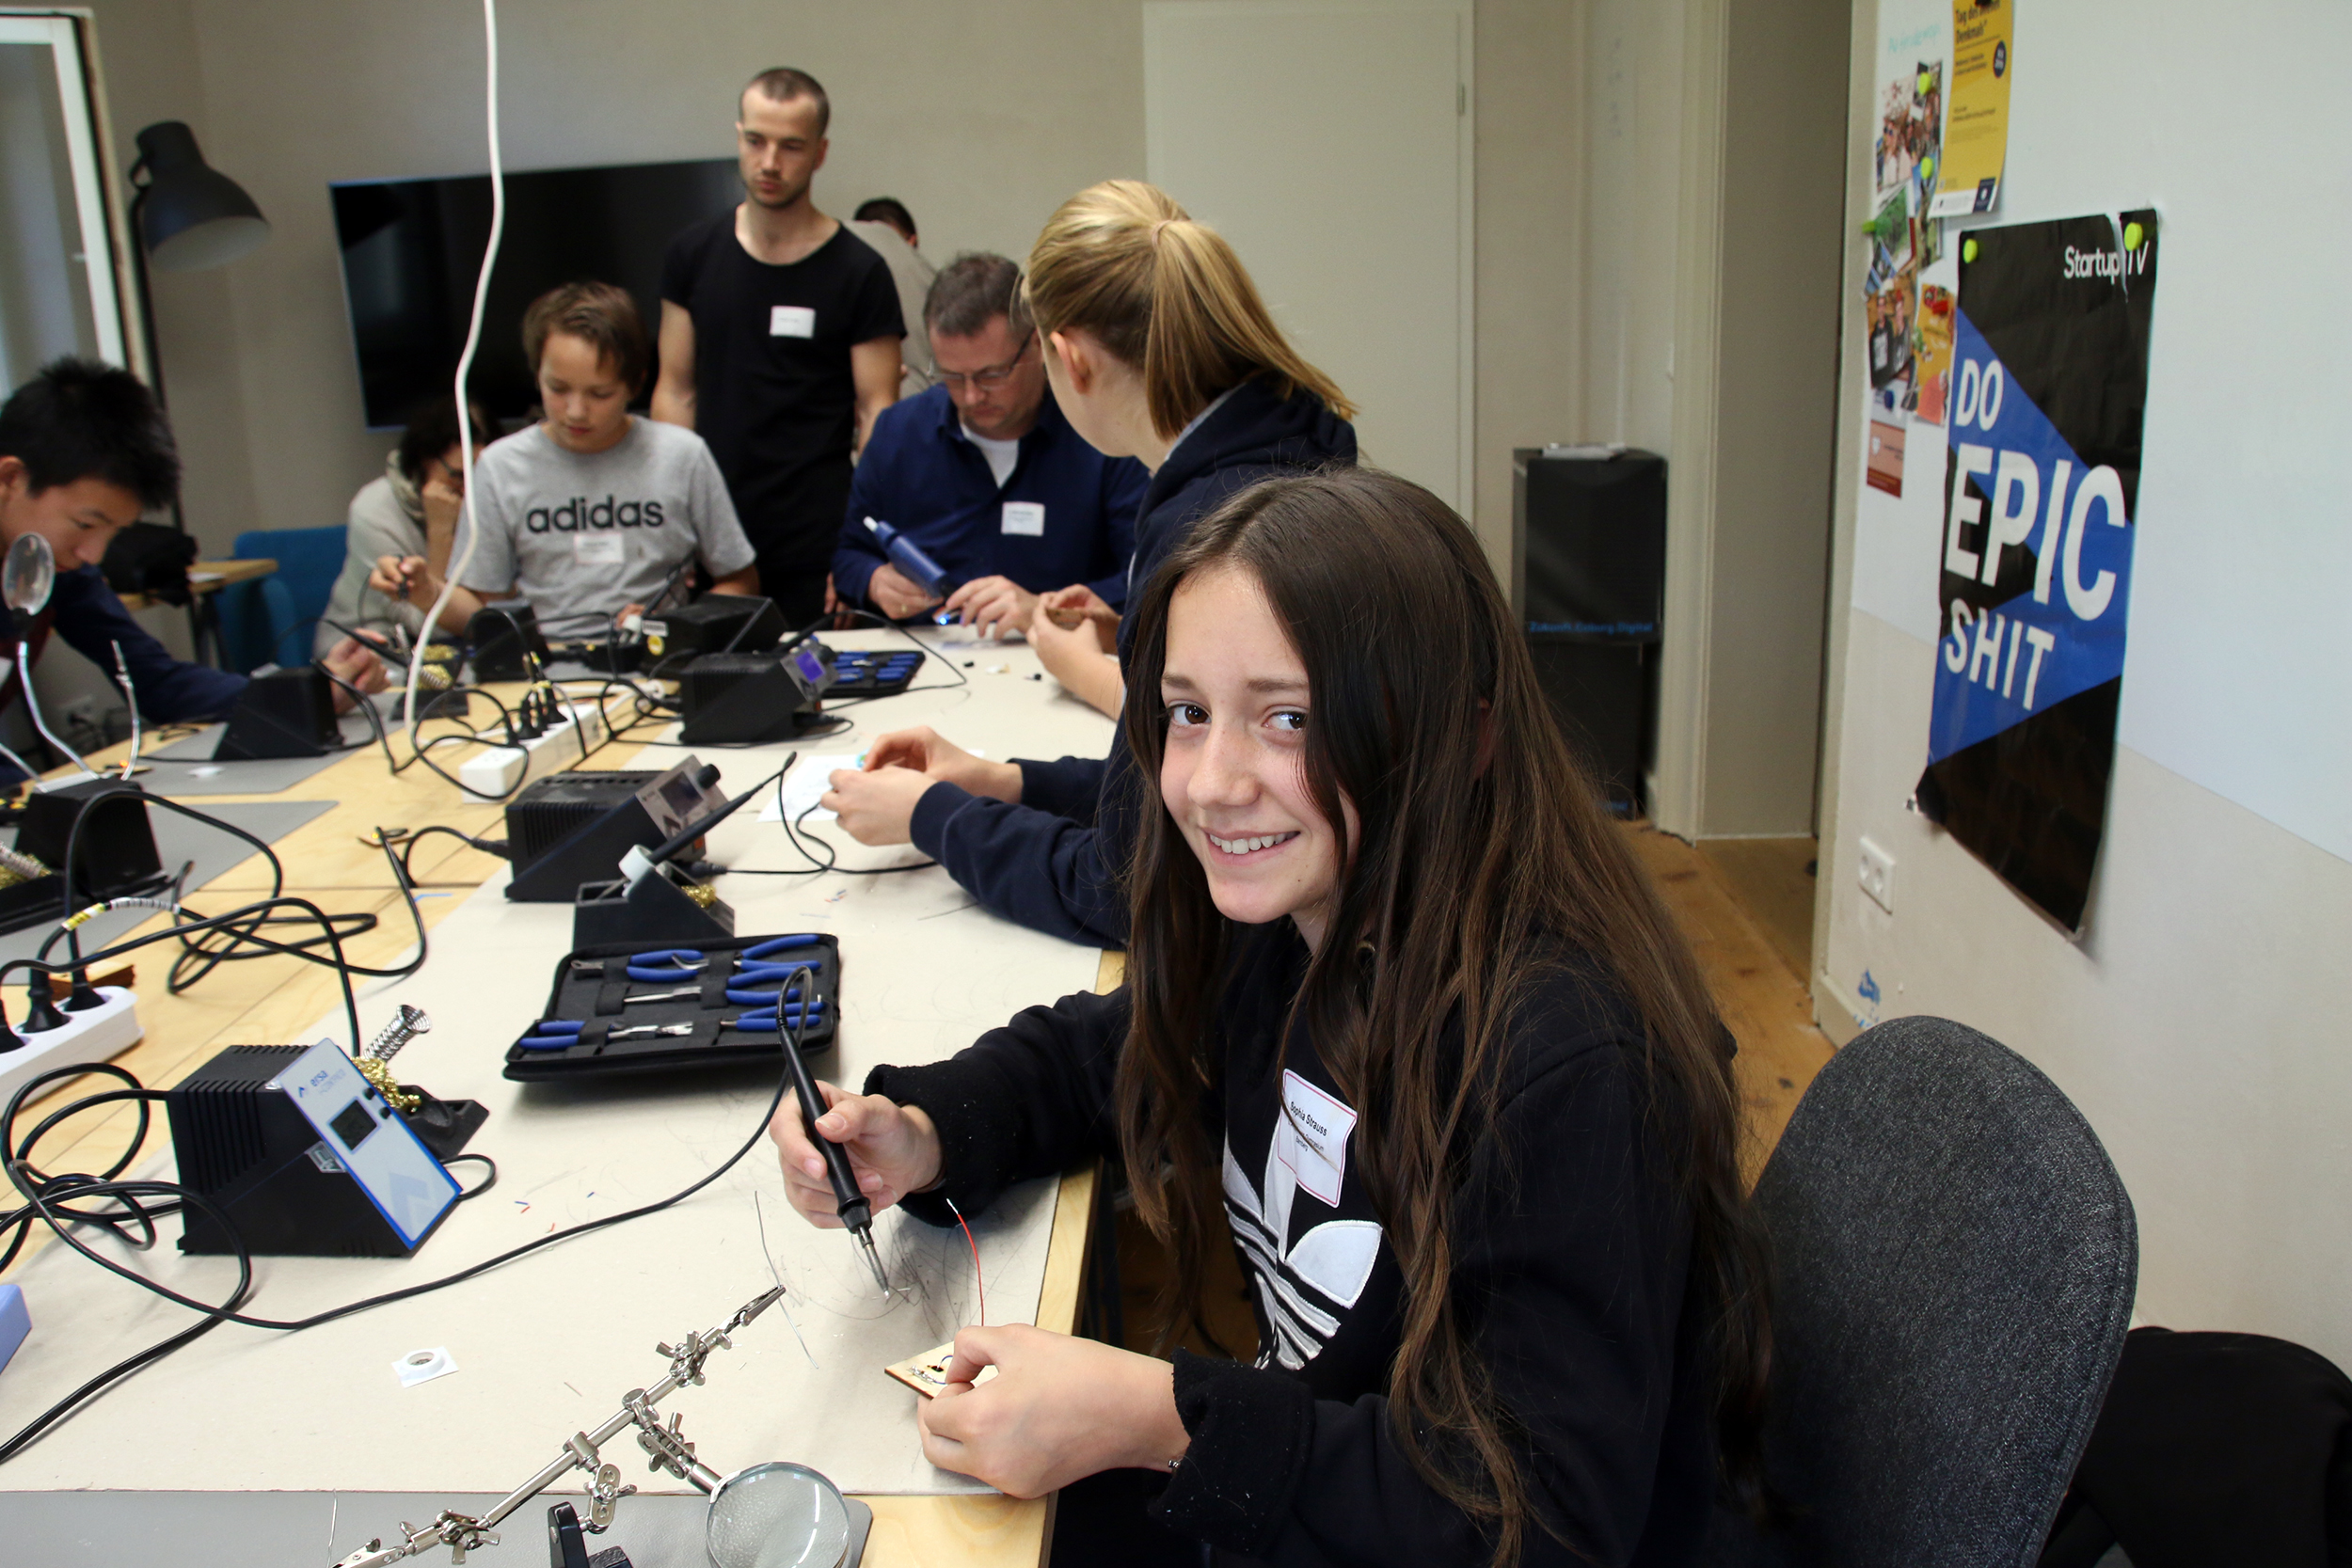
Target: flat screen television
x: 411, y: 249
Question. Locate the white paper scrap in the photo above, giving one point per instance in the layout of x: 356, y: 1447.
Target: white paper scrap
x: 810, y: 778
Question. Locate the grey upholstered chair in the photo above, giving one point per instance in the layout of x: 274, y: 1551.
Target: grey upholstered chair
x: 1954, y: 1267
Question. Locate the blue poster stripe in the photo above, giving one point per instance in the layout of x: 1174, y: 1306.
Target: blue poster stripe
x: 2065, y: 633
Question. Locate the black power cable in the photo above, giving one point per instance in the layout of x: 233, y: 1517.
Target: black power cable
x: 47, y: 1198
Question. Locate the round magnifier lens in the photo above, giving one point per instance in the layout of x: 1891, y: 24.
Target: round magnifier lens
x: 24, y: 580
x: 777, y: 1516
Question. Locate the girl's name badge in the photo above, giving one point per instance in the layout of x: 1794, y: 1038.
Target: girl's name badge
x: 1310, y: 1140
x: 791, y: 320
x: 599, y: 549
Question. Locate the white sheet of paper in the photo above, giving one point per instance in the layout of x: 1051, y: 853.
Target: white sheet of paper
x: 810, y: 777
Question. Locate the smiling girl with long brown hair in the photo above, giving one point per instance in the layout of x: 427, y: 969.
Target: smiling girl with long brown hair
x: 1403, y: 1006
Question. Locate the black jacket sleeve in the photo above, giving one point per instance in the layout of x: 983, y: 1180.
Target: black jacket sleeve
x: 1067, y: 786
x: 1043, y: 869
x: 92, y: 620
x: 1028, y: 1100
x: 1572, y: 1251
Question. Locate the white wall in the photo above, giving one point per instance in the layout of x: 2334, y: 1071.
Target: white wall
x: 2196, y: 1023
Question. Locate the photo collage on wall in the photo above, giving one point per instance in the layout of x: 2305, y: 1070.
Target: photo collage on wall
x: 1908, y: 327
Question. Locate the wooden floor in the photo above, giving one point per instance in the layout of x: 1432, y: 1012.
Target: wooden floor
x: 1771, y: 881
x: 1746, y: 904
x: 1760, y: 993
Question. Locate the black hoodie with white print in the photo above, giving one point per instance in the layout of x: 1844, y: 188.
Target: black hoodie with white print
x: 1571, y: 1256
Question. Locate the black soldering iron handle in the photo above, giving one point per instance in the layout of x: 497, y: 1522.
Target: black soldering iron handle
x: 855, y: 1211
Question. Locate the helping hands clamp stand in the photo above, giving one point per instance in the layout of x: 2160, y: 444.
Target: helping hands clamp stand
x: 665, y: 1445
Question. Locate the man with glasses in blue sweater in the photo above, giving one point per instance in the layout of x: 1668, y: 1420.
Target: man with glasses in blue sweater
x: 984, y: 473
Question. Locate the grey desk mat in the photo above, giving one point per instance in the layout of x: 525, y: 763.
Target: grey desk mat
x: 178, y: 841
x: 314, y: 1529
x: 187, y: 767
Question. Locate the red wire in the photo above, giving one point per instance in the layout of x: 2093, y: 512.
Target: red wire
x: 977, y: 1285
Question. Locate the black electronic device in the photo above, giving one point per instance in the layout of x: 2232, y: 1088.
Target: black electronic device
x: 572, y: 827
x: 1591, y: 531
x: 1592, y: 536
x: 622, y: 655
x: 115, y: 857
x: 503, y: 643
x: 751, y: 699
x: 875, y: 673
x: 1605, y: 694
x: 411, y: 249
x: 663, y: 907
x: 714, y: 623
x: 305, y: 1157
x: 284, y: 713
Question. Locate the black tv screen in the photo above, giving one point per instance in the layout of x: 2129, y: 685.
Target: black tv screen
x: 412, y: 247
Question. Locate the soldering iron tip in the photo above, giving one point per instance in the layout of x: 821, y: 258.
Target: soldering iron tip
x: 873, y: 1260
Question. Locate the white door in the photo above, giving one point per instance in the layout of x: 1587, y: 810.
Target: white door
x: 1329, y: 140
x: 56, y: 258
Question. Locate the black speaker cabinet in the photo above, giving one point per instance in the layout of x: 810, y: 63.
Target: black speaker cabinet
x: 1606, y: 696
x: 286, y: 713
x: 1592, y: 537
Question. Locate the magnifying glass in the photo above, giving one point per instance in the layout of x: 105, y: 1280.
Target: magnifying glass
x: 777, y: 1515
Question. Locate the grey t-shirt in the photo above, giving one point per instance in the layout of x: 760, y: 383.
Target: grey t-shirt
x: 580, y: 536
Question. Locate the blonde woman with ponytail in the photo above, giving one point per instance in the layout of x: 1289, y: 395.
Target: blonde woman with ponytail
x: 1159, y: 348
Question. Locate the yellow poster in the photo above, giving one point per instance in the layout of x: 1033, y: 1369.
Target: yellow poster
x: 1975, y: 123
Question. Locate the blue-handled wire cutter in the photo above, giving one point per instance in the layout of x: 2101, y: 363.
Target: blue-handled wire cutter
x: 679, y: 963
x: 764, y: 1020
x: 734, y: 994
x: 561, y: 1034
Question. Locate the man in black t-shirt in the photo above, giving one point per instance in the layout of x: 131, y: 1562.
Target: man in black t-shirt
x: 780, y: 333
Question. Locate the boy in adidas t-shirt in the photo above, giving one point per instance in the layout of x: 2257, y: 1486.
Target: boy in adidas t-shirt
x: 587, y: 515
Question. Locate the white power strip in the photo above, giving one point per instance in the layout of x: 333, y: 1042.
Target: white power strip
x: 93, y: 1035
x: 503, y: 769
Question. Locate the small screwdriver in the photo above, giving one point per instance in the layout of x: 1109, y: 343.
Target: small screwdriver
x: 855, y: 1211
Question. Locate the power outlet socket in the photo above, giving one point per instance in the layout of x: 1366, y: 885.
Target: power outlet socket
x: 1877, y: 876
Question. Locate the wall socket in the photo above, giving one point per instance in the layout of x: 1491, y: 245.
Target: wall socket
x: 1877, y: 876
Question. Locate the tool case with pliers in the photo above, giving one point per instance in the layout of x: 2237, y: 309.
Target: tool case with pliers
x: 627, y: 1007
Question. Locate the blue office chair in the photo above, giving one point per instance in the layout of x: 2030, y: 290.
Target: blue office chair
x: 273, y: 621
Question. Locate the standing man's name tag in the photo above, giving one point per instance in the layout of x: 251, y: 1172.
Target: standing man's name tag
x: 1026, y: 517
x: 599, y: 549
x: 1312, y: 1137
x: 791, y: 320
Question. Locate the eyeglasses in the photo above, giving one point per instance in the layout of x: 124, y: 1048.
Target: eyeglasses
x: 993, y: 377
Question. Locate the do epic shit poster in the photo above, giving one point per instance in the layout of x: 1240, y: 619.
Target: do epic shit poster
x: 2042, y: 485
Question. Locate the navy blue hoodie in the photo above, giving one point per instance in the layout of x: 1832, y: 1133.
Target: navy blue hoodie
x: 86, y: 612
x: 1052, y: 863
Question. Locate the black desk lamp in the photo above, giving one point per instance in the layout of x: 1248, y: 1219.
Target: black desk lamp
x: 187, y: 216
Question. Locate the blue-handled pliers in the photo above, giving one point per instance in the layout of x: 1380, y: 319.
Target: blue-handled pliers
x: 561, y: 1034
x: 678, y: 963
x: 741, y: 998
x: 765, y: 1022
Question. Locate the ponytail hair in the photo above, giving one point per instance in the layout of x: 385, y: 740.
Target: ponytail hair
x: 1121, y: 261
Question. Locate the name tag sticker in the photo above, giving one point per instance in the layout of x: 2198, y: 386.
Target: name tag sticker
x: 791, y: 320
x: 1026, y: 518
x: 599, y: 549
x: 1312, y: 1137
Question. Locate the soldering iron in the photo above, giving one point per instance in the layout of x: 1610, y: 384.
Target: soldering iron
x: 857, y: 1215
